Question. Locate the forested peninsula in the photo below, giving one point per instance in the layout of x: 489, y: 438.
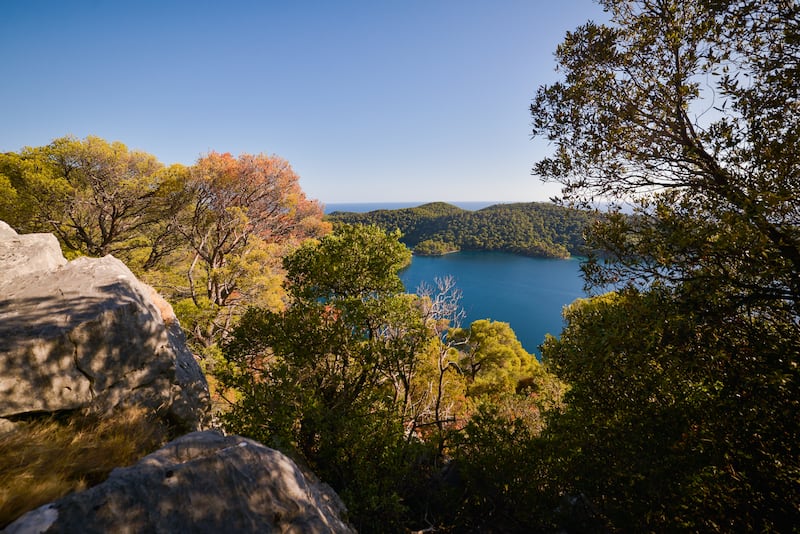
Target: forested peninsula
x: 535, y: 229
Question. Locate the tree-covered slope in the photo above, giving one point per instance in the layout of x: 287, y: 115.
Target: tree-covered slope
x: 531, y: 229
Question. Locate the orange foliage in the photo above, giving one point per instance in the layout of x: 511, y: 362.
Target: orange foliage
x: 262, y: 188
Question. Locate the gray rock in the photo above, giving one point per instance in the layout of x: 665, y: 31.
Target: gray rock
x: 202, y: 482
x: 25, y: 254
x: 87, y: 334
x: 6, y: 232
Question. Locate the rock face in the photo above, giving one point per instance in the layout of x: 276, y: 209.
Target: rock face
x: 202, y: 482
x: 87, y: 334
x: 29, y: 253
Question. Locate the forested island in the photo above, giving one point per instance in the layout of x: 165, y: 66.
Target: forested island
x: 534, y: 229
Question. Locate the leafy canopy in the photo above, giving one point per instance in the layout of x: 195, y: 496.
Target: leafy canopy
x: 690, y: 110
x: 684, y: 385
x: 97, y: 197
x: 531, y: 229
x: 366, y: 383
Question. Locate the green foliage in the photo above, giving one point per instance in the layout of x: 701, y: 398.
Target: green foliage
x: 9, y: 197
x: 682, y: 410
x: 533, y: 229
x: 367, y: 385
x: 358, y: 262
x: 362, y: 382
x: 432, y: 247
x: 14, y: 208
x: 503, y: 474
x: 499, y: 457
x: 316, y: 379
x: 630, y: 123
x: 97, y: 197
x: 209, y: 237
x: 672, y: 420
x: 493, y: 359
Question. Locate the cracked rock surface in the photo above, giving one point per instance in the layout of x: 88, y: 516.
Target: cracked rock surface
x: 86, y: 334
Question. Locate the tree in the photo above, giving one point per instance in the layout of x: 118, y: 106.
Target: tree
x: 531, y: 229
x: 97, y: 197
x: 442, y: 385
x: 161, y: 239
x: 243, y: 212
x: 497, y: 451
x: 673, y: 421
x: 432, y: 247
x: 361, y: 381
x: 493, y: 359
x: 678, y: 414
x: 692, y: 110
x: 15, y: 209
x: 329, y: 348
x: 319, y: 378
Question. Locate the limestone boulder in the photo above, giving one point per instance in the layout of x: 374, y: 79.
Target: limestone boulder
x: 28, y: 253
x: 201, y: 482
x: 87, y: 334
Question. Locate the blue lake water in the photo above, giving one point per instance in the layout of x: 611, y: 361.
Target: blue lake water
x: 527, y: 293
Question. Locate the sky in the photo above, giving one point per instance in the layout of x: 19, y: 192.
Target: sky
x: 369, y: 101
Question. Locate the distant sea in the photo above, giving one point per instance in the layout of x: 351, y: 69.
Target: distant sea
x: 363, y: 207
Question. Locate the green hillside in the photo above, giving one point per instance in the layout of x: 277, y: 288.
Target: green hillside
x: 532, y: 229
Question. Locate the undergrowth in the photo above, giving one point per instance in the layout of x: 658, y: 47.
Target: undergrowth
x: 46, y: 459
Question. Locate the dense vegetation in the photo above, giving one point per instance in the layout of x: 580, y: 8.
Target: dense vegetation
x: 369, y: 386
x: 670, y: 404
x: 308, y: 337
x: 531, y: 229
x: 683, y: 410
x: 209, y: 237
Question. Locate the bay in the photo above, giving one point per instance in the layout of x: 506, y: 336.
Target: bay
x: 527, y: 293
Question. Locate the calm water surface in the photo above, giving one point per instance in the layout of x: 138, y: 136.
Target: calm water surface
x: 527, y: 293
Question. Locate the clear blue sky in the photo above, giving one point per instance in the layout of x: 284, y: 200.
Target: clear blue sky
x: 384, y: 100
